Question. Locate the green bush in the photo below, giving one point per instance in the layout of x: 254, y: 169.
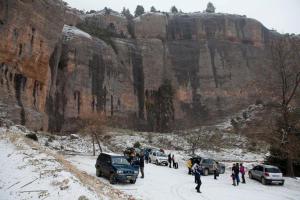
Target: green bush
x: 137, y: 145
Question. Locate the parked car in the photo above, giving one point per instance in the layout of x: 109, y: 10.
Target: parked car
x: 207, y: 165
x: 116, y: 168
x: 267, y: 174
x: 158, y: 158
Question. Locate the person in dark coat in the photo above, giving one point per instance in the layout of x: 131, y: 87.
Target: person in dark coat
x: 147, y: 156
x: 236, y: 173
x: 242, y: 170
x: 170, y: 160
x: 197, y: 172
x: 233, y: 175
x: 175, y: 164
x: 142, y: 164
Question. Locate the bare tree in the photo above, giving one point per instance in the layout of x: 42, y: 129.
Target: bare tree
x: 286, y: 62
x: 194, y: 142
x: 93, y: 126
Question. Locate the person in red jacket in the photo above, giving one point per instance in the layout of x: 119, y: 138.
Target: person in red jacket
x: 242, y: 170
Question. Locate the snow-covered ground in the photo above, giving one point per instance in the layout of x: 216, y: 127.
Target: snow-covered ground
x: 28, y: 174
x: 175, y: 184
x: 29, y: 170
x: 40, y: 169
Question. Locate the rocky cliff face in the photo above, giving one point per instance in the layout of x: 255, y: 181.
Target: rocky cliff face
x: 155, y: 72
x: 29, y: 31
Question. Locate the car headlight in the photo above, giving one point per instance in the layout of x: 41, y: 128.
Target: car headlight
x: 136, y: 172
x: 119, y: 171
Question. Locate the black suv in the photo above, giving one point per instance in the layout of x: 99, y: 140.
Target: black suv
x: 116, y: 168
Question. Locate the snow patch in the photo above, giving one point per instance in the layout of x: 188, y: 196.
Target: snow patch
x: 71, y: 32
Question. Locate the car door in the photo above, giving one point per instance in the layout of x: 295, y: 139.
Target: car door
x: 106, y: 165
x: 254, y: 172
x: 100, y: 162
x: 154, y: 157
x: 260, y: 172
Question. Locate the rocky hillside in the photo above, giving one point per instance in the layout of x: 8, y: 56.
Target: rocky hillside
x: 154, y: 72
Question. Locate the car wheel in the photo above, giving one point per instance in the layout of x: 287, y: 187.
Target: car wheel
x: 112, y: 179
x: 98, y: 173
x: 133, y: 181
x: 250, y: 176
x: 206, y: 172
x: 282, y: 183
x: 263, y: 181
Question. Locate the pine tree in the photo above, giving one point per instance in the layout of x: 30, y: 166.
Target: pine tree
x: 139, y: 11
x: 174, y: 9
x: 210, y: 8
x: 107, y: 11
x: 126, y: 13
x: 153, y: 9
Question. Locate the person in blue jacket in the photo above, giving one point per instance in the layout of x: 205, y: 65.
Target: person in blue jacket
x: 197, y: 169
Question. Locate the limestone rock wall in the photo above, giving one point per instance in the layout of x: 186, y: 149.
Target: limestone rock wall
x: 29, y: 31
x: 156, y: 72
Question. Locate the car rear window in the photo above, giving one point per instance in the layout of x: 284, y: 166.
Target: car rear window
x: 161, y: 154
x: 119, y: 161
x: 272, y: 170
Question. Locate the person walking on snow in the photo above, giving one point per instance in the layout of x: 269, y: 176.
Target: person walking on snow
x: 236, y: 173
x: 147, y: 156
x: 197, y: 171
x: 195, y: 166
x: 142, y: 164
x: 242, y: 170
x: 170, y: 160
x: 189, y: 166
x: 175, y: 164
x: 233, y: 175
x: 215, y: 168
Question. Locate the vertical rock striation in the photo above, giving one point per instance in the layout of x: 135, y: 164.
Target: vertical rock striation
x: 156, y: 72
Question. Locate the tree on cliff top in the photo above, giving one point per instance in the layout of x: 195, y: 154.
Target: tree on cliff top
x: 153, y: 9
x: 286, y: 138
x: 139, y: 11
x: 210, y: 8
x: 127, y: 14
x: 107, y: 11
x: 174, y: 10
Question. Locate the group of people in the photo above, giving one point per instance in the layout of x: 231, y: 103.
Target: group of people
x: 145, y: 156
x: 172, y: 161
x: 197, y: 170
x: 236, y: 170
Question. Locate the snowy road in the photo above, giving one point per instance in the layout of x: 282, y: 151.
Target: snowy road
x: 175, y: 184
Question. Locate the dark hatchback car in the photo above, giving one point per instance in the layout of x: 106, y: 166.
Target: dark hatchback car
x: 116, y: 168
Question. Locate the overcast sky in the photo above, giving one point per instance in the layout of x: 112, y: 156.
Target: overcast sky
x: 282, y: 15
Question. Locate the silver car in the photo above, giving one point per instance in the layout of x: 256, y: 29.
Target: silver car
x: 267, y: 174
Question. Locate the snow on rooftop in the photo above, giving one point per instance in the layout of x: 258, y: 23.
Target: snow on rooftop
x: 72, y: 31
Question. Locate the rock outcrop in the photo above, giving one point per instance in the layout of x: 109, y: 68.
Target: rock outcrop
x: 29, y: 31
x: 155, y: 72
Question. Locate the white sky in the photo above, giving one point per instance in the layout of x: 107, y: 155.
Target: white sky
x: 282, y: 15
